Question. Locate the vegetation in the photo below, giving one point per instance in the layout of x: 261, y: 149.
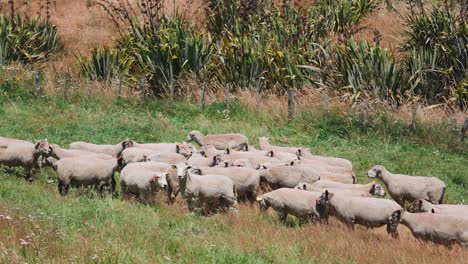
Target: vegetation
x: 82, y: 227
x: 24, y: 40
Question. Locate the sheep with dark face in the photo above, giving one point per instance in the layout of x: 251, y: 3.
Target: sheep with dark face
x: 437, y: 228
x: 113, y: 150
x: 221, y: 141
x: 278, y: 175
x: 423, y: 206
x: 369, y: 212
x: 24, y: 155
x: 409, y: 188
x: 213, y: 192
x: 372, y: 187
x: 199, y: 160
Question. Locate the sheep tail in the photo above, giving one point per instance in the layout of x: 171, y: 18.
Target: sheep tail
x: 442, y: 196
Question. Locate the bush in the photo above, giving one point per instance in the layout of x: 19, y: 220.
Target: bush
x: 104, y: 65
x: 437, y: 63
x: 369, y: 70
x: 26, y: 40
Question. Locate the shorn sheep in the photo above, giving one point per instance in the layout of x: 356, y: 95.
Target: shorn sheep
x: 409, y: 188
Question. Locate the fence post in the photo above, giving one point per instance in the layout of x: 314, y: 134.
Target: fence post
x: 464, y: 129
x: 142, y: 86
x: 38, y: 82
x: 257, y: 98
x: 413, y: 117
x: 120, y: 87
x: 226, y: 91
x: 65, y: 87
x: 291, y: 104
x: 327, y: 104
x: 202, y: 100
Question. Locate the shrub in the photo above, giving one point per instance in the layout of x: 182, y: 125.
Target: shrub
x: 437, y: 43
x: 370, y: 70
x: 26, y: 40
x: 104, y: 65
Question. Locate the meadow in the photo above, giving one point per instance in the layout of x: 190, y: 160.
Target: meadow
x: 38, y: 225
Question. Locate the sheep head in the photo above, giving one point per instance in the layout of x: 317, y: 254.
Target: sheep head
x: 376, y: 171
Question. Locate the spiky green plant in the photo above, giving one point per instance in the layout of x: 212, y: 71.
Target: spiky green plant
x: 26, y: 40
x: 104, y: 65
x: 369, y: 69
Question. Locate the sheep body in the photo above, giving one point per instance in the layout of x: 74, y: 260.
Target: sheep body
x: 83, y: 172
x: 142, y: 182
x: 369, y: 192
x: 301, y: 204
x: 221, y: 141
x: 423, y: 206
x: 279, y: 176
x: 409, y: 188
x: 133, y: 154
x: 113, y: 150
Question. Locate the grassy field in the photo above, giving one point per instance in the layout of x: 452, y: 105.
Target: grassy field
x: 38, y: 225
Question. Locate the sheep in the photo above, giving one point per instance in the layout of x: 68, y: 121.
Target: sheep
x: 213, y: 191
x: 113, y: 150
x: 423, y: 206
x: 369, y: 212
x: 242, y: 163
x: 305, y: 153
x: 322, y: 165
x: 60, y: 153
x: 173, y: 182
x: 6, y: 141
x: 278, y: 176
x: 209, y: 151
x: 144, y: 183
x: 184, y: 148
x: 325, y: 174
x: 369, y: 192
x: 371, y: 187
x: 222, y: 141
x: 199, y: 160
x: 299, y: 203
x: 133, y: 154
x: 246, y: 180
x: 254, y: 159
x: 24, y: 155
x: 440, y: 229
x: 409, y: 188
x: 84, y: 171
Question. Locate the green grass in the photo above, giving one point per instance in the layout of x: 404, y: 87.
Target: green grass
x: 110, y: 230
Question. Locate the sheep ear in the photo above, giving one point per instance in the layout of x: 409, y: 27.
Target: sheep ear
x: 270, y: 154
x: 291, y: 163
x: 420, y: 203
x: 432, y: 211
x: 326, y: 194
x: 299, y: 152
x: 304, y: 186
x: 177, y: 149
x: 228, y: 151
x: 37, y: 145
x: 174, y: 166
x: 226, y: 164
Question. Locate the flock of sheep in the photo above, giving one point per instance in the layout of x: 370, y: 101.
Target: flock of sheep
x: 226, y: 170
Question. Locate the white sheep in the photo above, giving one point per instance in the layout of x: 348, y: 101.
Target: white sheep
x: 440, y: 229
x: 184, y: 148
x: 368, y: 192
x: 221, y: 141
x: 24, y: 155
x: 6, y: 141
x: 278, y: 176
x: 371, y: 187
x: 409, y: 188
x: 369, y: 212
x: 83, y: 172
x: 133, y: 154
x: 113, y: 150
x: 423, y: 206
x: 60, y: 153
x: 301, y: 204
x: 211, y: 191
x: 246, y: 180
x: 199, y: 160
x: 142, y: 182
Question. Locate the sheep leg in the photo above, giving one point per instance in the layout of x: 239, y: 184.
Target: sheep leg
x: 113, y: 184
x: 283, y: 216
